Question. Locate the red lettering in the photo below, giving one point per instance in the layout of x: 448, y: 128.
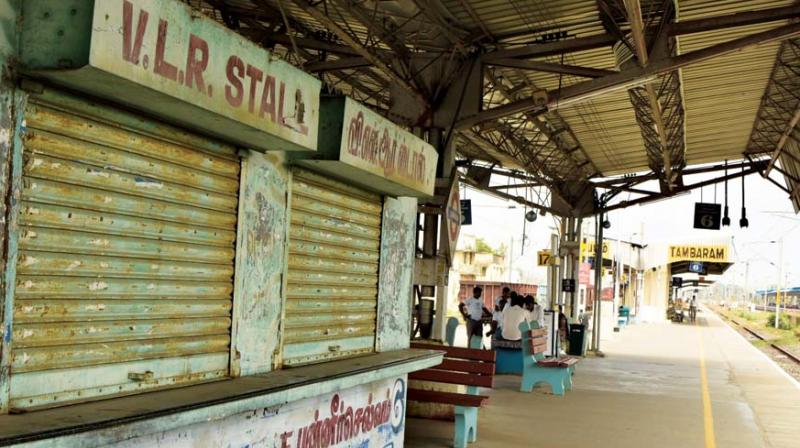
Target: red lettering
x: 268, y: 99
x: 354, y: 134
x: 235, y: 71
x: 162, y: 67
x: 255, y: 76
x: 196, y: 66
x: 284, y: 439
x: 131, y: 50
x: 280, y: 105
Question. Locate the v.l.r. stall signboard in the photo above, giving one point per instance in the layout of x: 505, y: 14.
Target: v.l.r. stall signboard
x: 165, y: 58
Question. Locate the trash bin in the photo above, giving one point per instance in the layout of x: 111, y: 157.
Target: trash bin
x: 577, y: 335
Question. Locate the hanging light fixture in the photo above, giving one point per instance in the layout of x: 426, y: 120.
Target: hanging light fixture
x: 726, y: 220
x: 743, y: 221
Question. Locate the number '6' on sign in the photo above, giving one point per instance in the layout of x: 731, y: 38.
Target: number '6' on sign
x: 707, y: 216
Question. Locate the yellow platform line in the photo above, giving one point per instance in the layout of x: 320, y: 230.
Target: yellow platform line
x: 708, y: 416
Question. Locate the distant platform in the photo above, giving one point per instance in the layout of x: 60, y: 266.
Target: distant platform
x: 647, y: 392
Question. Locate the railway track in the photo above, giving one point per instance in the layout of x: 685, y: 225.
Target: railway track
x: 793, y: 357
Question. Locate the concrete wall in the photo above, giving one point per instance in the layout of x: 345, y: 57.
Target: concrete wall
x: 656, y: 294
x: 10, y: 100
x: 369, y: 415
x: 260, y: 263
x: 395, y: 288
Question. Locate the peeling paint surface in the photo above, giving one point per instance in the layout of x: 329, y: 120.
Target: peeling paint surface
x: 260, y: 261
x: 370, y: 415
x: 396, y: 273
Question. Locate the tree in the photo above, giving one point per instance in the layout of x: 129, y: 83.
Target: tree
x: 481, y: 246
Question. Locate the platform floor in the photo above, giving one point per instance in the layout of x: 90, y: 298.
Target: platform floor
x: 647, y: 392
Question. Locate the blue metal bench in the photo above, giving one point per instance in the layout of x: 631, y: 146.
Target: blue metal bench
x: 557, y: 372
x: 471, y: 367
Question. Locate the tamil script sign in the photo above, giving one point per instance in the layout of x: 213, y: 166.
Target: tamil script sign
x: 377, y: 145
x: 165, y: 58
x: 698, y: 252
x: 364, y: 416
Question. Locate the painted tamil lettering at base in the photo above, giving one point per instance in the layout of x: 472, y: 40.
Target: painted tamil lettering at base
x: 370, y: 415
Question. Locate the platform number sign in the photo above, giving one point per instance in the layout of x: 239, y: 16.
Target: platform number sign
x: 696, y: 266
x: 544, y: 257
x: 707, y: 216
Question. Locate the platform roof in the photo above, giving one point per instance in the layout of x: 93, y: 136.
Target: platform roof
x: 570, y: 90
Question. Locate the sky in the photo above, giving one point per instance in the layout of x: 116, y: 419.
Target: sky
x: 769, y: 211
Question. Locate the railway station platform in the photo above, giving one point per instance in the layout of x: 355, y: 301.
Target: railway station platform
x: 660, y: 385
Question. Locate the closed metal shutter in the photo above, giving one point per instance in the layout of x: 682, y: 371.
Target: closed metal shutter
x: 334, y: 247
x: 126, y: 248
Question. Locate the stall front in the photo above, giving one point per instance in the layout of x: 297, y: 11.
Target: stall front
x: 176, y: 271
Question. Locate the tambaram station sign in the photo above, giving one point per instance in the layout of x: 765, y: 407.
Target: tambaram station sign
x: 698, y: 252
x: 161, y: 56
x: 364, y: 147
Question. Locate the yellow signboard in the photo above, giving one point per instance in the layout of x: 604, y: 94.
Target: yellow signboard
x: 588, y: 249
x: 698, y: 252
x: 545, y: 257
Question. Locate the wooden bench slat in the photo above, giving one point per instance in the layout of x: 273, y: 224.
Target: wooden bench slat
x: 435, y: 396
x: 443, y: 376
x: 549, y: 363
x: 459, y: 352
x: 459, y: 365
x: 568, y: 360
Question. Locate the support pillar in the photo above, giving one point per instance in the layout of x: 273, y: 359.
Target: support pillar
x: 598, y: 282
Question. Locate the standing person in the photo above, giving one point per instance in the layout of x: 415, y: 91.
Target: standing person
x: 475, y: 310
x: 513, y: 315
x: 505, y: 296
x: 497, y: 313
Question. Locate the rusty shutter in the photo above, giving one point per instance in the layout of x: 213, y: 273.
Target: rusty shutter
x: 334, y: 245
x: 125, y: 264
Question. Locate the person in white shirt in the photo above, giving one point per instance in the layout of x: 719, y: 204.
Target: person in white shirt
x: 497, y: 314
x: 513, y: 315
x: 537, y: 312
x: 475, y: 310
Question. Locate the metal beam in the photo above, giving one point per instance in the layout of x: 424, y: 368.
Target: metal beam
x: 508, y: 197
x: 634, y: 12
x: 437, y: 13
x: 337, y: 64
x: 784, y: 138
x: 549, y: 67
x: 732, y: 20
x: 553, y: 48
x: 612, y: 183
x: 582, y: 91
x: 515, y: 186
x: 328, y: 23
x: 308, y: 43
x: 683, y: 189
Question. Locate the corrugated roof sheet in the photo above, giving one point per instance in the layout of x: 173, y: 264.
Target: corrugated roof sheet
x: 722, y: 96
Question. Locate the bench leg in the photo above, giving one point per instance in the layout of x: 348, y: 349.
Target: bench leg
x: 556, y: 378
x: 466, y: 426
x: 568, y: 380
